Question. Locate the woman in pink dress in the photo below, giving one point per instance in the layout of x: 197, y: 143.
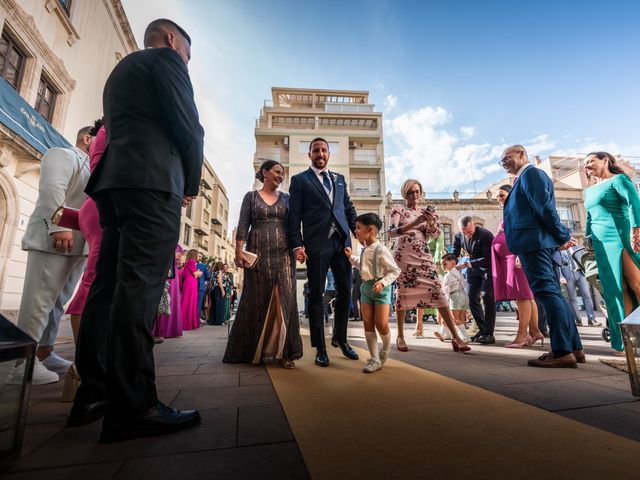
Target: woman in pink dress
x: 89, y: 221
x: 168, y: 326
x: 510, y: 283
x: 418, y: 285
x: 190, y: 275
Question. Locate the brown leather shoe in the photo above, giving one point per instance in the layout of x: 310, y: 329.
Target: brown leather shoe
x: 549, y: 361
x: 580, y: 357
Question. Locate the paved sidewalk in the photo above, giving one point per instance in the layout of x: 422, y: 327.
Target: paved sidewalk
x: 245, y: 434
x: 594, y: 393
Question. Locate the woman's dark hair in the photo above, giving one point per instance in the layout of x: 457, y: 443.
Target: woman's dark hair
x: 506, y: 187
x: 96, y: 126
x: 611, y: 164
x: 370, y: 220
x: 217, y: 266
x: 266, y: 165
x: 192, y: 254
x: 449, y: 257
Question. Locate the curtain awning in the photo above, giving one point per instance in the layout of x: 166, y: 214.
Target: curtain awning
x: 24, y: 120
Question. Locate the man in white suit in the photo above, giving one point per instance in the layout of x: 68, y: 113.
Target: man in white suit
x: 56, y: 256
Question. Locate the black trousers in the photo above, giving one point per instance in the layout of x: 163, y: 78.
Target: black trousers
x: 140, y: 230
x: 330, y: 254
x: 486, y: 319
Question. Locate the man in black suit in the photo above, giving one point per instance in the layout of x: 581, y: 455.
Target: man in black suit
x: 150, y: 169
x: 477, y: 242
x: 319, y: 201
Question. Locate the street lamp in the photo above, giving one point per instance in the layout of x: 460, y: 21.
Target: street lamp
x: 15, y: 346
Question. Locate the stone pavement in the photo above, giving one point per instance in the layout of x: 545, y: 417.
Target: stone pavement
x: 244, y: 433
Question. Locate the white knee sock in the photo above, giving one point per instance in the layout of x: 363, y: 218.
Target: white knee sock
x: 386, y: 342
x: 372, y: 343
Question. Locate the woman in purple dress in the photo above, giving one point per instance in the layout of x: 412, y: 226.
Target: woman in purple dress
x: 510, y: 283
x: 168, y: 326
x: 190, y: 317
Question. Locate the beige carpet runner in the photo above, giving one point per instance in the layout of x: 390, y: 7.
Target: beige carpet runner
x: 405, y: 422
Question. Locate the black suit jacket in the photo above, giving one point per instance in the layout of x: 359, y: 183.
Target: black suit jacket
x: 479, y: 249
x: 154, y: 138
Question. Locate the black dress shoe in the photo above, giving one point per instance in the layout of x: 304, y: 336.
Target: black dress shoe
x: 86, y: 413
x: 159, y: 420
x: 474, y: 338
x: 322, y: 359
x: 486, y: 340
x: 347, y: 351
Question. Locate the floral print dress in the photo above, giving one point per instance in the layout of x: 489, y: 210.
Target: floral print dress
x: 418, y: 285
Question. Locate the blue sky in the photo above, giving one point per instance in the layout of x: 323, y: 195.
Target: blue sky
x: 456, y: 80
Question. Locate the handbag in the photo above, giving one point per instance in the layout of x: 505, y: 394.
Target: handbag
x: 165, y: 301
x: 67, y: 217
x: 252, y: 258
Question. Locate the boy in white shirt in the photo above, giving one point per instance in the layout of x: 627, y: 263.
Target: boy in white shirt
x: 378, y: 270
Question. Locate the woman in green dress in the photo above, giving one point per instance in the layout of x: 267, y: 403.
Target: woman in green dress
x: 613, y: 224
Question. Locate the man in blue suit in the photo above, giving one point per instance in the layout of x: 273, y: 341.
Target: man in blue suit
x: 534, y: 232
x: 320, y: 203
x: 202, y: 283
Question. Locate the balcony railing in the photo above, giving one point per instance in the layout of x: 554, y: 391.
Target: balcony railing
x: 365, y: 157
x: 573, y: 225
x: 277, y: 154
x: 364, y: 188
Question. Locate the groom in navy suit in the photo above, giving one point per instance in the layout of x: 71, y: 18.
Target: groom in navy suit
x: 320, y: 203
x: 534, y: 233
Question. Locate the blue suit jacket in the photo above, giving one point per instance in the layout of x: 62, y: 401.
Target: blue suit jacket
x: 310, y: 207
x: 531, y: 221
x: 205, y: 276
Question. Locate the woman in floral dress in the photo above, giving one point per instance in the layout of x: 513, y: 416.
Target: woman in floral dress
x: 418, y: 284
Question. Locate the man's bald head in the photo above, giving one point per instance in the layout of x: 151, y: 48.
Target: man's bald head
x: 166, y: 33
x: 514, y: 158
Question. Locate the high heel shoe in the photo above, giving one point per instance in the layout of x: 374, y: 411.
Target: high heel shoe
x: 459, y: 346
x: 533, y: 340
x: 401, y: 345
x: 527, y: 342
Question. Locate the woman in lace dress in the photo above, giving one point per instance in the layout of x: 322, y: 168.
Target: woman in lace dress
x: 418, y: 285
x: 266, y: 323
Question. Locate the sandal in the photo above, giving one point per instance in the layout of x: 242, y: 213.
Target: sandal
x: 288, y: 364
x: 418, y: 334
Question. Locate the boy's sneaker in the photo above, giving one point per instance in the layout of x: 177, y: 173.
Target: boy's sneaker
x: 55, y: 363
x: 383, y: 356
x: 372, y: 365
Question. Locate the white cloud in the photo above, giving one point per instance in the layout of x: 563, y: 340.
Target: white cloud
x: 390, y: 102
x: 434, y: 154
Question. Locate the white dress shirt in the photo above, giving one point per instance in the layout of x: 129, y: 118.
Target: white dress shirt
x: 522, y: 169
x: 453, y: 281
x: 383, y: 264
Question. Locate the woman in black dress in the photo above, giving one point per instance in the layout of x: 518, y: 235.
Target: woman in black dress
x: 266, y: 323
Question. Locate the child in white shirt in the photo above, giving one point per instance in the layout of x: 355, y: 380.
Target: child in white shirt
x: 378, y: 271
x: 453, y: 287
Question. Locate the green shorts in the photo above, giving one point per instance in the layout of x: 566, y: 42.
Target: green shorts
x: 367, y: 295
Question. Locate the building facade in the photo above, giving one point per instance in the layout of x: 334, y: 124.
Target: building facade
x: 345, y: 118
x: 204, y: 224
x: 55, y: 56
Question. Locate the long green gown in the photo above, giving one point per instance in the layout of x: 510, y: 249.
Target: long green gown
x: 613, y: 207
x: 436, y: 247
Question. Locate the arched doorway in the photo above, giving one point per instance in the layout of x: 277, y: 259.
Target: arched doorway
x: 9, y: 213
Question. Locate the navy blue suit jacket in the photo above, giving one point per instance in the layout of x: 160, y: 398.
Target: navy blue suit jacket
x: 206, y: 275
x: 531, y: 221
x: 311, y: 209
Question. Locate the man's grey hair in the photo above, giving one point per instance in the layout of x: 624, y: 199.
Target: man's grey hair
x: 464, y: 221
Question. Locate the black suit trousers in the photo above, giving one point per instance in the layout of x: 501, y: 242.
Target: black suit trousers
x: 330, y: 254
x: 140, y: 230
x: 485, y: 319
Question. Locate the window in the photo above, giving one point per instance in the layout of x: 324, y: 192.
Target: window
x: 11, y: 60
x: 46, y: 98
x: 220, y: 210
x: 448, y: 236
x: 187, y: 236
x: 226, y: 215
x: 189, y: 211
x: 66, y: 6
